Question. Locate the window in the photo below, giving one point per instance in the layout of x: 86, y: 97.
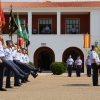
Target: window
x: 70, y: 23
x: 45, y: 26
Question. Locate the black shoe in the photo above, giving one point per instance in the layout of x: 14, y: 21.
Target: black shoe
x: 9, y: 87
x: 2, y: 89
x: 17, y: 85
x: 40, y: 71
x: 96, y: 85
x: 21, y: 76
x: 35, y: 71
x: 34, y: 75
x: 27, y: 81
x: 20, y: 84
x: 23, y: 81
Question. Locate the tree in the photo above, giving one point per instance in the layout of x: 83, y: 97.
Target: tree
x: 98, y: 51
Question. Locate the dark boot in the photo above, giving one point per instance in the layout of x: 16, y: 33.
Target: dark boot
x: 34, y: 75
x: 2, y: 89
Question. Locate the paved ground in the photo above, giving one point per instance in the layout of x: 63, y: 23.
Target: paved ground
x: 50, y: 87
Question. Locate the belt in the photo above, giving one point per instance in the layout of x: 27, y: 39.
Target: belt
x: 2, y: 57
x: 16, y: 60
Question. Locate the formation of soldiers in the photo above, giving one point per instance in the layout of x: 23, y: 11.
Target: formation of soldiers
x: 14, y: 59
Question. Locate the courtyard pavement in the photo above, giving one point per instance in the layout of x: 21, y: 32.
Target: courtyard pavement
x: 53, y: 87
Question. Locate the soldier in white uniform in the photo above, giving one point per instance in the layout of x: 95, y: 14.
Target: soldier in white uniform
x: 22, y: 64
x: 1, y: 67
x: 9, y: 57
x: 69, y: 63
x: 78, y: 64
x: 88, y: 66
x: 27, y: 61
x: 95, y: 65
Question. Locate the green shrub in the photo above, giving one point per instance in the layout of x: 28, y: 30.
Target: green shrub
x: 30, y: 63
x: 58, y: 68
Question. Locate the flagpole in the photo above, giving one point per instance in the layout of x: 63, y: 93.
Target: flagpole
x: 27, y: 30
x: 17, y: 36
x: 24, y: 44
x: 17, y: 40
x: 11, y: 26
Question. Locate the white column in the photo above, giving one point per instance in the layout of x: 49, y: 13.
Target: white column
x: 58, y: 22
x: 30, y: 22
x: 30, y: 34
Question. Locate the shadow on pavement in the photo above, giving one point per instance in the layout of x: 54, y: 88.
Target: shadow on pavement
x: 77, y: 85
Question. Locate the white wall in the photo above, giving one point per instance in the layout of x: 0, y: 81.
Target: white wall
x: 57, y: 43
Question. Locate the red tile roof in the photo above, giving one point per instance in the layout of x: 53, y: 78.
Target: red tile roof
x: 87, y: 4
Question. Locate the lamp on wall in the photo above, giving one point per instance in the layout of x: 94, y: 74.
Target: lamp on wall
x: 96, y: 43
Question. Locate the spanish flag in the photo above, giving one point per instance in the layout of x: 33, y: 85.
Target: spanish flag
x: 87, y: 40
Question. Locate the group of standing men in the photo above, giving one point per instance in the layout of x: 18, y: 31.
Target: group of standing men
x: 14, y: 59
x: 92, y: 61
x: 78, y: 65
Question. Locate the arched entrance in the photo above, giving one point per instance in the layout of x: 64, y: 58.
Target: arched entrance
x: 74, y: 51
x: 43, y: 57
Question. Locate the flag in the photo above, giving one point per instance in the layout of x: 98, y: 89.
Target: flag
x: 12, y: 24
x: 2, y: 17
x: 19, y: 31
x: 20, y: 41
x: 87, y: 40
x: 25, y: 34
x: 28, y: 42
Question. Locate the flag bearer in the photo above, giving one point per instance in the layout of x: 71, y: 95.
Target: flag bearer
x: 88, y: 66
x: 94, y: 65
x: 78, y: 64
x: 70, y: 62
